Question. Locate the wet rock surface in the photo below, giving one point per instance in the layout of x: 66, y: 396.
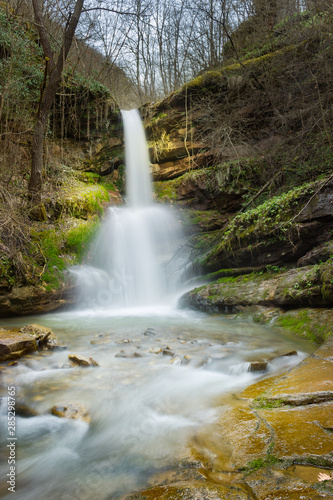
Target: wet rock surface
x: 269, y: 429
x: 271, y: 445
x: 79, y: 360
x: 194, y: 491
x: 309, y: 286
x: 18, y: 342
x: 74, y: 411
x: 35, y: 299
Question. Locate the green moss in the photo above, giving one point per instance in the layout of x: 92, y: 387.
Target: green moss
x: 87, y: 201
x: 90, y: 177
x: 78, y: 238
x: 301, y: 324
x: 165, y: 189
x: 271, y: 220
x: 261, y: 403
x: 258, y: 463
x: 56, y: 249
x: 159, y: 117
x: 49, y: 244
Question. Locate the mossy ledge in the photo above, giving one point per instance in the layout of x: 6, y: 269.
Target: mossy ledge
x: 36, y: 279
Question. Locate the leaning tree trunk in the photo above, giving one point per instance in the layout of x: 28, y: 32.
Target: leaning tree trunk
x: 52, y: 78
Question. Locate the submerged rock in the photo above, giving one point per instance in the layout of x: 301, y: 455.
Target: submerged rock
x: 101, y: 338
x: 93, y: 362
x: 123, y: 354
x: 257, y: 366
x: 74, y: 411
x: 167, y: 351
x: 78, y: 360
x: 286, y: 354
x: 150, y: 332
x: 268, y: 483
x: 25, y: 411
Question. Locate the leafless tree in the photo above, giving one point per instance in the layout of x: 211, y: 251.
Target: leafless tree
x: 54, y: 65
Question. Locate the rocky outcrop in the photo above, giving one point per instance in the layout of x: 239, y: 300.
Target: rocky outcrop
x: 16, y: 343
x: 281, y: 231
x: 306, y: 286
x: 25, y: 300
x: 229, y: 140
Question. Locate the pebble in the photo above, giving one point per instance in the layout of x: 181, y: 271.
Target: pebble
x: 155, y: 350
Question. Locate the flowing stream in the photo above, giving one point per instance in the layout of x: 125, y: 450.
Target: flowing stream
x: 163, y: 373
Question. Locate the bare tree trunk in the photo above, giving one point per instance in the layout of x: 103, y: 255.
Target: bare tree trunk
x: 35, y: 183
x: 48, y: 92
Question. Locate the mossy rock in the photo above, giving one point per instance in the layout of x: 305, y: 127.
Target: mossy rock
x: 260, y: 288
x: 38, y: 213
x: 311, y: 324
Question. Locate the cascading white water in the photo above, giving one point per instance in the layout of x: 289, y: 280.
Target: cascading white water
x: 133, y: 260
x: 138, y: 181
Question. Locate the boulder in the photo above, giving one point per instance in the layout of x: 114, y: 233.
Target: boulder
x: 16, y: 343
x: 318, y: 254
x: 310, y: 286
x: 45, y: 337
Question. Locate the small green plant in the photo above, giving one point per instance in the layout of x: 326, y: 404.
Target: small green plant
x: 262, y: 403
x: 258, y: 463
x: 7, y: 271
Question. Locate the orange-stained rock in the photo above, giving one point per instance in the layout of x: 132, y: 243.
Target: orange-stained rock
x: 310, y: 382
x: 302, y: 431
x: 14, y: 344
x: 245, y: 434
x: 277, y: 484
x: 194, y: 490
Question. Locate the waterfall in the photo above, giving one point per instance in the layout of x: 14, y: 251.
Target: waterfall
x: 138, y: 181
x: 136, y: 258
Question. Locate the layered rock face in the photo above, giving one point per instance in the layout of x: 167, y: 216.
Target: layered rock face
x: 237, y: 152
